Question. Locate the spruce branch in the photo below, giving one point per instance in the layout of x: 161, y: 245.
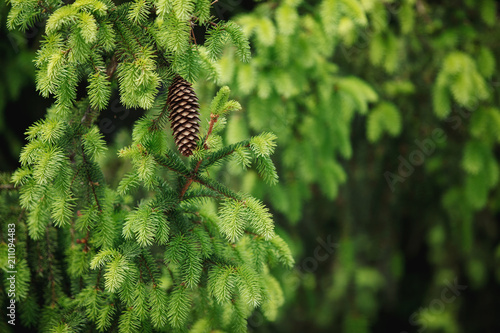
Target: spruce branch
x: 191, y: 178
x: 91, y: 182
x: 155, y: 123
x: 217, y: 187
x: 143, y: 262
x: 139, y: 45
x: 172, y: 162
x: 219, y: 155
x: 76, y: 174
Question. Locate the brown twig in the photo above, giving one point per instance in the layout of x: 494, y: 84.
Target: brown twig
x: 199, y: 181
x: 144, y: 262
x: 98, y: 279
x: 8, y: 187
x: 92, y: 184
x: 86, y: 242
x: 192, y: 33
x: 112, y: 67
x: 213, y: 120
x: 154, y: 122
x: 75, y: 175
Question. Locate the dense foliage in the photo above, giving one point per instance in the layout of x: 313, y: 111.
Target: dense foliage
x: 386, y: 120
x: 170, y: 247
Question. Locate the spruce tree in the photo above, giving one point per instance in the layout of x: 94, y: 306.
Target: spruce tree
x: 171, y: 248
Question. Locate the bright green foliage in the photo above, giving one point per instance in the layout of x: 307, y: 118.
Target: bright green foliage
x: 386, y: 117
x: 221, y: 34
x: 460, y: 78
x: 80, y: 34
x: 387, y: 124
x: 141, y: 257
x: 99, y: 90
x: 279, y: 85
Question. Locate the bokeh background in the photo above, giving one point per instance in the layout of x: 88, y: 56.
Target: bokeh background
x: 388, y: 123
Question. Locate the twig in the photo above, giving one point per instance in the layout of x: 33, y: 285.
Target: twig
x: 86, y: 239
x: 98, y: 279
x: 154, y: 125
x: 213, y: 120
x: 86, y: 242
x: 149, y: 271
x: 8, y: 187
x: 199, y: 181
x: 192, y: 33
x: 76, y: 174
x: 112, y: 67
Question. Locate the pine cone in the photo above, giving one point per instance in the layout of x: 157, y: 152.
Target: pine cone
x: 183, y: 115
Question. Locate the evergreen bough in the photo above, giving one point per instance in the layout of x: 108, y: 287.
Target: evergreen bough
x: 164, y: 258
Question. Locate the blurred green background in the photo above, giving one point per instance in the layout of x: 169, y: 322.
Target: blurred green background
x: 388, y: 123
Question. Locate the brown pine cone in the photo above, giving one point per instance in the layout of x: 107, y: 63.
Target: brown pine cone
x: 184, y: 117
